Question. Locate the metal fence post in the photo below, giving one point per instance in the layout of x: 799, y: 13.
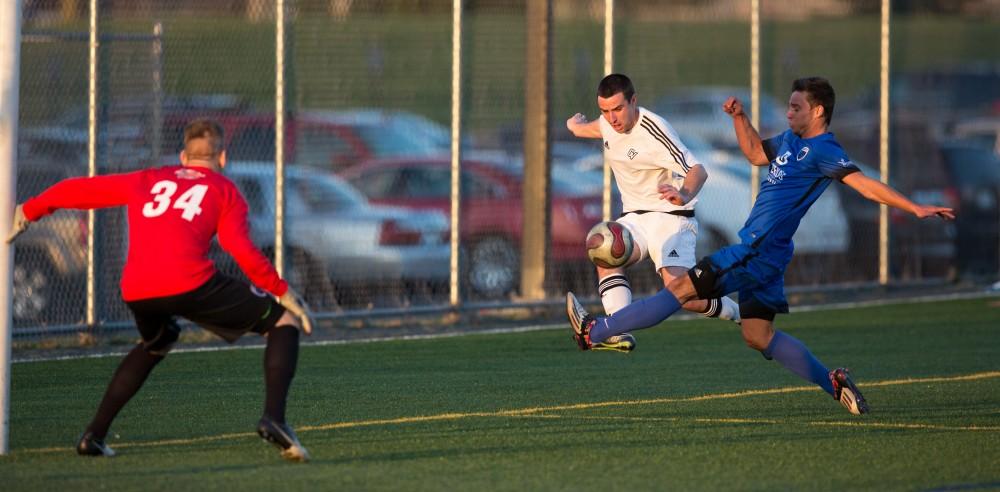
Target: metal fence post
x: 279, y: 137
x: 92, y: 80
x: 609, y: 57
x: 883, y: 147
x: 454, y: 295
x: 754, y: 89
x: 536, y: 206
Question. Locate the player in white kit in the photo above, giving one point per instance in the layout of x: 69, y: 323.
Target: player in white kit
x: 659, y: 180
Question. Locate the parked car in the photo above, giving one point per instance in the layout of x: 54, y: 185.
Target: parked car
x: 342, y: 250
x: 983, y: 132
x: 942, y: 97
x: 50, y: 258
x: 491, y: 221
x: 975, y: 171
x: 326, y: 139
x: 918, y: 248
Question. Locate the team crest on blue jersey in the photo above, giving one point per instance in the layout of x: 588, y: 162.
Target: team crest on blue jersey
x: 782, y: 159
x: 845, y: 162
x: 188, y: 173
x: 802, y: 153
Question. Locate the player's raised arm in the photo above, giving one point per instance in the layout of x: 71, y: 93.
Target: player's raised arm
x: 746, y: 134
x: 582, y: 128
x: 877, y: 191
x: 693, y: 182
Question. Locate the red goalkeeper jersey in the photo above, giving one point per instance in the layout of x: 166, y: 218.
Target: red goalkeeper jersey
x: 173, y: 213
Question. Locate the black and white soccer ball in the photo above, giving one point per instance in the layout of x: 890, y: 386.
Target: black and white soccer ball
x: 609, y: 244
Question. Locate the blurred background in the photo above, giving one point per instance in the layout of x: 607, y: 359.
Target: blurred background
x: 368, y: 137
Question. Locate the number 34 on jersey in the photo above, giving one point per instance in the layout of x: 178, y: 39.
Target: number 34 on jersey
x: 163, y: 199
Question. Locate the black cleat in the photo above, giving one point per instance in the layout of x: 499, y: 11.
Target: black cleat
x: 847, y: 393
x: 92, y: 446
x: 283, y: 438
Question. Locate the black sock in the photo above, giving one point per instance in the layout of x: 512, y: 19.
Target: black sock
x: 280, y: 358
x: 128, y: 378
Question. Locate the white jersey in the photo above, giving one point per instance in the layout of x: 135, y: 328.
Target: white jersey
x: 642, y: 158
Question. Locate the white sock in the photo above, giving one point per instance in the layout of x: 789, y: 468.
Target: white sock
x: 724, y: 308
x: 615, y: 291
x: 729, y: 309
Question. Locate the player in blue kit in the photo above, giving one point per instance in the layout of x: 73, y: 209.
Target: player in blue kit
x: 802, y: 161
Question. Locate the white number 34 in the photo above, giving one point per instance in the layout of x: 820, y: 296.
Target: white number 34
x: 189, y: 201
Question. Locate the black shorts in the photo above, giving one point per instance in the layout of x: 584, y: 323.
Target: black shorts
x: 223, y: 305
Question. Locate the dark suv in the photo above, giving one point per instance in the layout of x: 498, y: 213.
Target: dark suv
x: 918, y: 248
x: 50, y: 257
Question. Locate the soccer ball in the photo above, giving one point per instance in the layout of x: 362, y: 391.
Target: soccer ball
x: 609, y: 245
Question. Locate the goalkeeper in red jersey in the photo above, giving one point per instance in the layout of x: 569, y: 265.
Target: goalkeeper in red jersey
x: 173, y: 214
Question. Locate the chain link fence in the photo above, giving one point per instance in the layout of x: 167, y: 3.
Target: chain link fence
x: 368, y: 136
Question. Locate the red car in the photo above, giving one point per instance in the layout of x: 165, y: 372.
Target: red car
x: 491, y: 224
x: 325, y: 139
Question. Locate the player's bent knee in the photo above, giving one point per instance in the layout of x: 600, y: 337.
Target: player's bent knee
x: 703, y: 277
x: 755, y: 342
x: 757, y: 332
x: 164, y: 341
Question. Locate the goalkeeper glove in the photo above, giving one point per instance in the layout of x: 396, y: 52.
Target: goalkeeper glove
x: 18, y: 224
x: 294, y: 303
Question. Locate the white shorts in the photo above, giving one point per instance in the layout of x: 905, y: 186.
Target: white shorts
x: 669, y: 240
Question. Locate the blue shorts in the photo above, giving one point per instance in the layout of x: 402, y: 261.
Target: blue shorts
x: 759, y: 279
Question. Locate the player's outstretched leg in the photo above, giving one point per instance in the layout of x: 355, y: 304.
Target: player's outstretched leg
x: 846, y: 392
x: 128, y: 378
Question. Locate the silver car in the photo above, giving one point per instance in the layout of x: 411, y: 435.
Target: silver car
x: 341, y: 251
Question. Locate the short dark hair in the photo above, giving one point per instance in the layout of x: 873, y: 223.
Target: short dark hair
x: 615, y: 83
x: 818, y: 91
x: 203, y: 128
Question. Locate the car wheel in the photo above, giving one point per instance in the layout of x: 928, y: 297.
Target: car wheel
x: 34, y: 283
x: 493, y: 267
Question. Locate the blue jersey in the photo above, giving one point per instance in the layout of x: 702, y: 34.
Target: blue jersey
x: 800, y: 170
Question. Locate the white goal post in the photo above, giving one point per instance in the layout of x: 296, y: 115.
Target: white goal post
x: 10, y: 51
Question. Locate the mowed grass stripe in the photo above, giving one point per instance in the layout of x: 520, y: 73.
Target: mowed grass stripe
x: 776, y: 422
x: 543, y: 412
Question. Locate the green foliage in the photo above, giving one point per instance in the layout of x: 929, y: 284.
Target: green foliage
x: 528, y: 411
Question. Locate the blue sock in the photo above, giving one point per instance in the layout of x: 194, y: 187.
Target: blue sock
x: 636, y: 316
x: 792, y: 354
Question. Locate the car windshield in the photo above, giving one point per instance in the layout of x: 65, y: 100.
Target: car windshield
x: 323, y: 193
x: 392, y: 138
x: 972, y: 164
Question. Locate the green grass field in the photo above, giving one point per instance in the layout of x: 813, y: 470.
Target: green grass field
x: 691, y: 408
